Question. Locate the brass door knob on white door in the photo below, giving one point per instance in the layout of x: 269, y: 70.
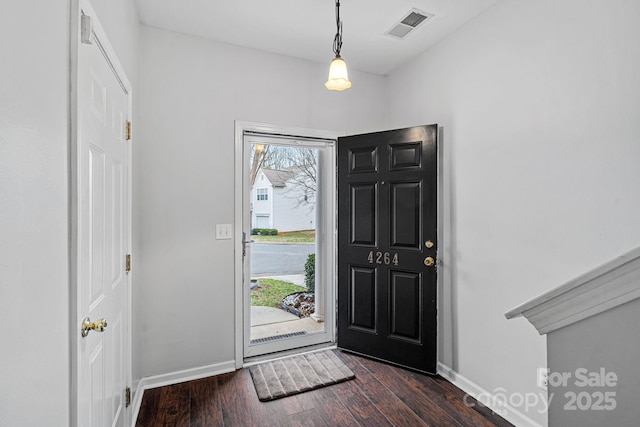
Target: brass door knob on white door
x: 88, y: 325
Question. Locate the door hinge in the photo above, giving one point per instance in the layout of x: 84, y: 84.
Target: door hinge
x: 127, y: 397
x: 127, y: 131
x: 127, y: 266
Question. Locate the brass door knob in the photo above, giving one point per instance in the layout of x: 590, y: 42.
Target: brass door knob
x: 88, y: 325
x: 429, y: 261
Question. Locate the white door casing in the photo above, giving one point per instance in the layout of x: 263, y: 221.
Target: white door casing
x: 102, y: 173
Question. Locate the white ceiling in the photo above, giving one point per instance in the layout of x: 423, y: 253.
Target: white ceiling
x: 305, y: 28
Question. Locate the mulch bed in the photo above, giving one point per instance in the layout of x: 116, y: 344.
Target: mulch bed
x: 302, y: 304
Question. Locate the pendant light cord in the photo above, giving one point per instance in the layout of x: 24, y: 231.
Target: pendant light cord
x: 337, y: 41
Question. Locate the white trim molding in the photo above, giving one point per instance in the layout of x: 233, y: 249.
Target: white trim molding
x: 492, y: 401
x: 175, y: 378
x: 608, y: 286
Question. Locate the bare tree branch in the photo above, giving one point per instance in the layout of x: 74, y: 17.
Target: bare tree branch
x: 300, y: 162
x: 258, y: 155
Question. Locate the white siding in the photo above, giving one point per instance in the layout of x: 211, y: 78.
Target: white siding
x: 285, y: 208
x: 261, y: 208
x: 290, y: 213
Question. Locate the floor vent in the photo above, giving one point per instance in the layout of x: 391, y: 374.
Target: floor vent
x: 409, y: 23
x: 278, y: 337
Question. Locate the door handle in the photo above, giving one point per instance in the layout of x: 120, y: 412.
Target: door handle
x: 429, y: 261
x: 244, y: 239
x: 244, y: 243
x: 88, y: 326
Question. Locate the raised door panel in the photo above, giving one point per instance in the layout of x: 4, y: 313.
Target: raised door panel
x: 96, y: 370
x: 117, y: 222
x: 96, y: 223
x: 405, y: 156
x: 363, y: 299
x: 363, y: 160
x: 405, y: 306
x: 363, y: 221
x: 405, y: 215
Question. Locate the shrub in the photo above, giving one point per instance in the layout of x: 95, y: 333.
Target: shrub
x: 265, y: 231
x: 310, y: 273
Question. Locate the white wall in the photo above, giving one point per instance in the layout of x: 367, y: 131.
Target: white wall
x: 34, y: 277
x: 540, y: 103
x: 191, y: 92
x: 120, y: 20
x: 608, y: 340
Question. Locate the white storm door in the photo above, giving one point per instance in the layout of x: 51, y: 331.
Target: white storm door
x: 325, y: 243
x: 103, y: 231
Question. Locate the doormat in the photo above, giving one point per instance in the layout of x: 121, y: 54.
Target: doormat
x: 297, y: 374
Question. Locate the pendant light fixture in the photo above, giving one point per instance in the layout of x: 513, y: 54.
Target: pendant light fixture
x: 338, y: 76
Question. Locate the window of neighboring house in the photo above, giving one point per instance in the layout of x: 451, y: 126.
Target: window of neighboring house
x: 262, y: 194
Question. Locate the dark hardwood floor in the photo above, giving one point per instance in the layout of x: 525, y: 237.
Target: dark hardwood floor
x: 381, y: 395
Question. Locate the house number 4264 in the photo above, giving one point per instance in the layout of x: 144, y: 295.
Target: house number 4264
x: 382, y: 258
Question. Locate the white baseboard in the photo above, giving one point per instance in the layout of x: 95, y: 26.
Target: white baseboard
x: 507, y: 412
x: 175, y: 378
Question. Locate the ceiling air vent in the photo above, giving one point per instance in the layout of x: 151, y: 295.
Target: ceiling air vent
x: 409, y: 23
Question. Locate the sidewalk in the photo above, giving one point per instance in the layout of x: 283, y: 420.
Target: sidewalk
x: 267, y: 315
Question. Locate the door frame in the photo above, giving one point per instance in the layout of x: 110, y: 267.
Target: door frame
x: 446, y: 309
x: 240, y: 128
x: 79, y: 7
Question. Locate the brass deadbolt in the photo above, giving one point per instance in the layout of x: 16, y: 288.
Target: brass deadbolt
x: 428, y: 244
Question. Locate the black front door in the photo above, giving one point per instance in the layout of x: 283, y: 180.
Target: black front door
x: 387, y: 229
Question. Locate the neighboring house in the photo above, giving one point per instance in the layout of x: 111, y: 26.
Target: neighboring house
x: 280, y: 200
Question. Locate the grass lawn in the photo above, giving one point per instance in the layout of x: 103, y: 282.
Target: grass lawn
x: 305, y: 236
x: 270, y: 292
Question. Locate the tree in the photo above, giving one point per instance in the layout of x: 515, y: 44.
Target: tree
x: 259, y: 152
x: 304, y: 174
x: 301, y: 162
